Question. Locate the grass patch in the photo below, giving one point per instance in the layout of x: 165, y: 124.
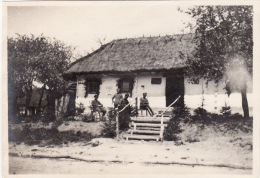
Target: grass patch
x: 34, y: 136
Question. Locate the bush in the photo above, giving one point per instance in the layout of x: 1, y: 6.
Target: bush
x: 79, y: 110
x: 201, y: 112
x: 182, y: 113
x: 32, y: 136
x: 226, y: 111
x: 173, y: 129
x: 111, y: 114
x: 109, y: 129
x: 200, y: 115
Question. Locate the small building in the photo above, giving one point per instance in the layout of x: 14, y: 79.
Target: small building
x: 33, y: 108
x: 154, y: 65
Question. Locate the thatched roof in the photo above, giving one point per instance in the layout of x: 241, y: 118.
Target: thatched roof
x: 135, y: 54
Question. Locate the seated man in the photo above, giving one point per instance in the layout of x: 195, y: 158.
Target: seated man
x: 144, y: 104
x: 97, y: 106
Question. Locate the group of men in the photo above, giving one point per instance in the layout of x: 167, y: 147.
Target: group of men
x: 120, y: 102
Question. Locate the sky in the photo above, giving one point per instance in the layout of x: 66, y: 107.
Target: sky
x: 83, y: 26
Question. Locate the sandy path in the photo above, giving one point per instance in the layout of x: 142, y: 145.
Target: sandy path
x: 64, y: 166
x: 219, y: 152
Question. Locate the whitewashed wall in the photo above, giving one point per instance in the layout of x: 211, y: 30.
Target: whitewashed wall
x: 155, y: 92
x: 215, y: 96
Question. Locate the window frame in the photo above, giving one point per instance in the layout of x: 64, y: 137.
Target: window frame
x: 154, y: 82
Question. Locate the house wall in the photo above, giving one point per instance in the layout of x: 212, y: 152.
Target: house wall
x: 215, y: 97
x: 156, y: 92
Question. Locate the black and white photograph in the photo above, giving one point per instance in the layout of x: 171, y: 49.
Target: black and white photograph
x: 156, y: 88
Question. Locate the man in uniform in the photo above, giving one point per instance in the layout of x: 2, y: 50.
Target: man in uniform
x: 97, y: 106
x: 144, y: 104
x: 117, y: 98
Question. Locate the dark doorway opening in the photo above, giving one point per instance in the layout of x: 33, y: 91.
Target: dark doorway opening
x: 175, y: 88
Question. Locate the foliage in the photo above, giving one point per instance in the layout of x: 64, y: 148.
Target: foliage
x: 226, y: 111
x: 109, y: 129
x: 221, y: 32
x: 111, y: 114
x: 33, y: 136
x: 37, y: 59
x: 224, y: 38
x: 200, y: 112
x: 80, y: 109
x: 181, y: 112
x: 173, y: 128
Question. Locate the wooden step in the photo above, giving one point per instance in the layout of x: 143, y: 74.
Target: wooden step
x: 148, y: 128
x: 148, y: 124
x: 144, y: 132
x: 156, y: 120
x: 141, y: 137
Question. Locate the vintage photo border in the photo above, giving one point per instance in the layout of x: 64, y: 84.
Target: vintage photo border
x: 256, y: 82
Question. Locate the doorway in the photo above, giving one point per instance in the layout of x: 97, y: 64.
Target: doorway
x: 175, y: 88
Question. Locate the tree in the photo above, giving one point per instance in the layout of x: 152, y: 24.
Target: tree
x: 36, y: 59
x: 224, y: 50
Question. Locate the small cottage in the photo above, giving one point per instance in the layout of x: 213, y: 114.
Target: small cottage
x: 154, y: 65
x: 33, y: 108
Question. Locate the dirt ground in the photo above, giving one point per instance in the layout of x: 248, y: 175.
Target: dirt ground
x: 209, y: 150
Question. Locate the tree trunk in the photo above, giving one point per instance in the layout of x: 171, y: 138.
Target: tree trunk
x: 28, y: 96
x: 40, y: 101
x: 50, y: 110
x: 245, y: 103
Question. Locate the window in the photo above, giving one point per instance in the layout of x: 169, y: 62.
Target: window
x: 125, y: 86
x: 157, y: 81
x: 92, y: 86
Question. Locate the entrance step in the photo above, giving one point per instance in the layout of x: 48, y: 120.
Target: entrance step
x: 148, y: 125
x: 150, y: 132
x: 149, y: 128
x: 141, y: 137
x: 150, y: 119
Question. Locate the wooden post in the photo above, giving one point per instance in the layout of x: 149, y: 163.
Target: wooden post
x: 56, y: 108
x: 117, y: 127
x: 162, y: 128
x: 136, y: 107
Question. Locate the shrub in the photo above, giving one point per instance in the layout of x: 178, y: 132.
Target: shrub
x: 87, y: 118
x: 111, y: 114
x: 200, y: 112
x: 181, y: 112
x: 226, y: 111
x: 80, y: 109
x: 200, y: 115
x: 173, y: 129
x: 32, y: 136
x: 109, y: 129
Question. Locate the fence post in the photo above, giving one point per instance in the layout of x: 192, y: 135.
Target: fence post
x: 136, y: 107
x: 162, y: 128
x: 117, y: 126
